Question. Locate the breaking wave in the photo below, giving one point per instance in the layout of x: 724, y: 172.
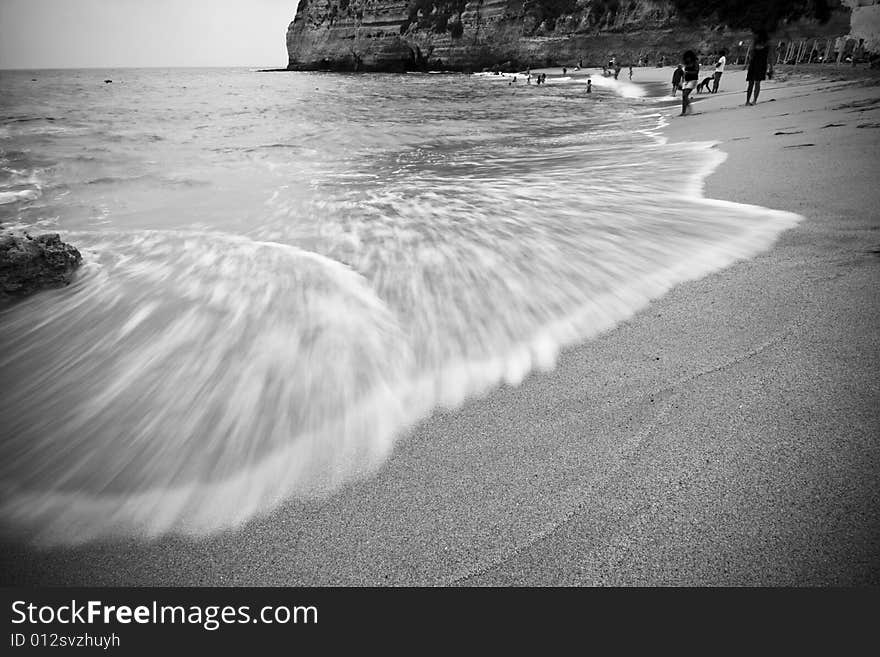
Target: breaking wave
x: 191, y: 379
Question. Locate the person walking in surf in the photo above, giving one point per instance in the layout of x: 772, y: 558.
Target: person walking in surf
x: 691, y: 77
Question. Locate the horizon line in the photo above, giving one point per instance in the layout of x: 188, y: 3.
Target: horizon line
x: 80, y: 68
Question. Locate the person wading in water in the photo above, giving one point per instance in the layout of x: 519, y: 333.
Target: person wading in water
x: 691, y: 77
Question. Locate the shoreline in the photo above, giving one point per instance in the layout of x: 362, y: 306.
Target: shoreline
x: 724, y: 435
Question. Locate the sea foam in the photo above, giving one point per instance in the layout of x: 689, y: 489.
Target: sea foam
x: 196, y: 376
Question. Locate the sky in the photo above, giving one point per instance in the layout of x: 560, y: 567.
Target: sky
x: 140, y: 33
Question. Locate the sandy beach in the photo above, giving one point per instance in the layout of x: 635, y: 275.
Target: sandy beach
x: 726, y: 435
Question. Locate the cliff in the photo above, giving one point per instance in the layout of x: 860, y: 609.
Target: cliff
x: 866, y: 22
x: 394, y: 35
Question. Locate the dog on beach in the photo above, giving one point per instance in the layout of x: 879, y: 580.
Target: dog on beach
x: 705, y: 84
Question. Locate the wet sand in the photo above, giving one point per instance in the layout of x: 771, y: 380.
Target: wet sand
x: 726, y: 435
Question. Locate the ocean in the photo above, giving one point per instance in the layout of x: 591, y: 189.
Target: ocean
x: 284, y: 272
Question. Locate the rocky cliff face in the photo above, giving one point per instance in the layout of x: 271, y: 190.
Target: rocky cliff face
x: 393, y: 35
x: 866, y: 22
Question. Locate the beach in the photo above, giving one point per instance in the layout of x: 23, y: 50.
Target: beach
x: 724, y: 435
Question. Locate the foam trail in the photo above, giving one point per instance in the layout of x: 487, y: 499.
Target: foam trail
x: 21, y: 195
x: 623, y: 88
x: 192, y: 379
x: 230, y: 388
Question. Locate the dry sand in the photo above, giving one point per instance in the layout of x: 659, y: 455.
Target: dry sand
x: 728, y: 434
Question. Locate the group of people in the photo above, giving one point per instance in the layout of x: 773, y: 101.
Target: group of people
x: 541, y: 78
x: 612, y: 68
x: 687, y: 75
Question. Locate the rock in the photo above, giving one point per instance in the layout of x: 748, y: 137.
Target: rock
x: 29, y: 264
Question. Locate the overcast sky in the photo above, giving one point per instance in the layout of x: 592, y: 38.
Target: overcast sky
x: 111, y: 33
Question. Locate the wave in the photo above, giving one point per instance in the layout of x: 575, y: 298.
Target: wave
x: 188, y: 380
x: 19, y: 195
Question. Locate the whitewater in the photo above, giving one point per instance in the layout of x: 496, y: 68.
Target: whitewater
x: 284, y: 272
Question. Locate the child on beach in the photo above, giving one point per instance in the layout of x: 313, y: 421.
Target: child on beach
x: 677, y: 75
x: 691, y: 77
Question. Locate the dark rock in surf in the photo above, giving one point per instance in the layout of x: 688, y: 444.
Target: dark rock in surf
x: 29, y: 264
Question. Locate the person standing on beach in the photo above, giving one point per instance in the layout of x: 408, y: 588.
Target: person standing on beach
x: 758, y: 66
x: 677, y: 75
x: 691, y: 77
x: 719, y: 70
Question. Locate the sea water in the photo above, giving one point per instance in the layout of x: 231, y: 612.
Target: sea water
x: 283, y: 272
